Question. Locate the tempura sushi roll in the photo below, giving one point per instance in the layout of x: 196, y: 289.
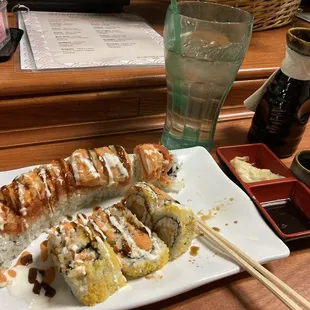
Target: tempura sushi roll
x: 140, y: 251
x: 86, y: 261
x: 144, y: 199
x: 155, y: 164
x: 174, y: 223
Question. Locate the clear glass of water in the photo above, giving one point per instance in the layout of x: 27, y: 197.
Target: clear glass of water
x: 205, y: 44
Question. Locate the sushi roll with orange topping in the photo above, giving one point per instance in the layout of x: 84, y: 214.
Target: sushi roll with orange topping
x: 173, y: 223
x: 36, y: 200
x: 140, y: 251
x: 86, y: 261
x: 155, y: 164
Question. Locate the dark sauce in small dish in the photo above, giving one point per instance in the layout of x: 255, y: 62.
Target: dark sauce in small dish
x: 286, y: 214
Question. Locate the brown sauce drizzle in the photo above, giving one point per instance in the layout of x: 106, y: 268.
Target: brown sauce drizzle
x: 48, y: 276
x: 32, y: 275
x: 44, y: 251
x: 194, y: 250
x: 216, y: 229
x: 37, y: 287
x: 49, y: 291
x: 25, y: 259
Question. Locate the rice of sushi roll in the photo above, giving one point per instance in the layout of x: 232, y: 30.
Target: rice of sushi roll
x: 155, y: 164
x: 174, y: 223
x: 140, y: 251
x: 86, y: 261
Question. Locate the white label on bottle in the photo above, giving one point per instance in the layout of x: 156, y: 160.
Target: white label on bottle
x: 294, y: 65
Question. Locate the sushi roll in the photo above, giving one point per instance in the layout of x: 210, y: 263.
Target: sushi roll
x: 140, y: 251
x: 37, y: 200
x: 86, y: 261
x: 155, y: 164
x: 144, y: 199
x: 173, y: 223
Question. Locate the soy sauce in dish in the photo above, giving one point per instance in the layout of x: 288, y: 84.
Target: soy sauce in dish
x: 286, y: 214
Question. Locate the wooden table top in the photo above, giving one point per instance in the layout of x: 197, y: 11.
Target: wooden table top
x: 235, y: 292
x: 265, y: 54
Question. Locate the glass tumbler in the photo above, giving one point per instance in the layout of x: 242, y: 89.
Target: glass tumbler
x: 205, y: 44
x: 4, y: 27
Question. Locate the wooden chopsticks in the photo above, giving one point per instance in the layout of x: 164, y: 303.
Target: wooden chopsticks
x: 286, y: 294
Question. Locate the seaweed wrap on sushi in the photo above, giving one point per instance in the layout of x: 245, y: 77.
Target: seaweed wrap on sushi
x: 86, y: 261
x: 154, y: 164
x: 140, y: 251
x: 173, y: 222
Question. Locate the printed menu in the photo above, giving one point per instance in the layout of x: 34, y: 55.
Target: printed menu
x: 79, y: 40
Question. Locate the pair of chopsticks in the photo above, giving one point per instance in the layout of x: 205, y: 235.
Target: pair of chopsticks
x: 286, y: 294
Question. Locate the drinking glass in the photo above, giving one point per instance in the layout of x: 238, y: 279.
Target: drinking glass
x: 205, y: 44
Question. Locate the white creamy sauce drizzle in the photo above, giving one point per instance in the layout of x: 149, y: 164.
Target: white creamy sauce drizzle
x: 113, y: 161
x: 21, y: 192
x: 83, y: 219
x: 80, y: 270
x: 97, y: 229
x: 150, y: 152
x: 57, y: 173
x: 23, y: 211
x: 47, y: 190
x: 75, y: 169
x: 150, y: 191
x: 89, y: 164
x: 136, y: 252
x: 25, y: 224
x: 1, y: 219
x: 73, y: 247
x: 86, y: 162
x: 151, y: 162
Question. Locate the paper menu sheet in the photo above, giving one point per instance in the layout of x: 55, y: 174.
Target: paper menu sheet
x: 79, y: 40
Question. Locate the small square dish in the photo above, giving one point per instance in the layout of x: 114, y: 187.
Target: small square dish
x: 286, y: 206
x: 260, y: 156
x: 283, y: 201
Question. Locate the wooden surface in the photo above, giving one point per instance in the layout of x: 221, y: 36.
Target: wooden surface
x: 262, y: 58
x: 235, y: 292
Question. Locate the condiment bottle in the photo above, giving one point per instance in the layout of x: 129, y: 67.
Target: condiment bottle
x: 283, y: 109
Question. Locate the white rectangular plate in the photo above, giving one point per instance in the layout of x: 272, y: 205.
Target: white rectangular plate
x: 206, y: 188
